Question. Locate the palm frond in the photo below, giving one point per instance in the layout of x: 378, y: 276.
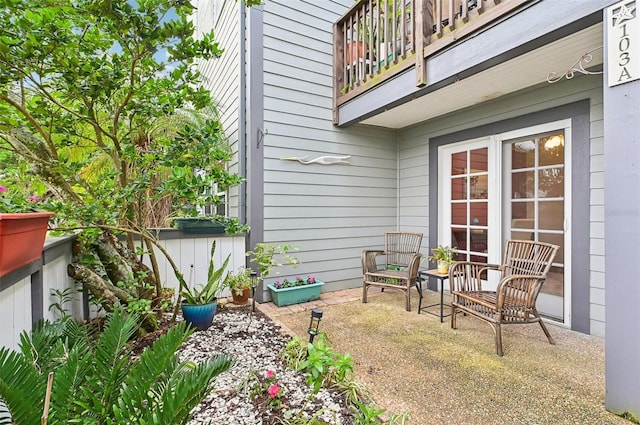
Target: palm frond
x: 150, y: 374
x: 189, y: 387
x: 21, y: 387
x: 67, y: 385
x: 111, y: 360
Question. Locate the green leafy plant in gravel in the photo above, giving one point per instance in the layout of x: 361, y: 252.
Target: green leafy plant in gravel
x: 325, y: 367
x: 96, y: 380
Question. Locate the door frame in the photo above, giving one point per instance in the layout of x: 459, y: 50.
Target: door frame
x: 495, y: 144
x: 564, y: 125
x: 586, y: 191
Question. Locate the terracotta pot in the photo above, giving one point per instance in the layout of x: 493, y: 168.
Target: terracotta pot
x: 243, y: 297
x: 22, y: 237
x: 355, y: 50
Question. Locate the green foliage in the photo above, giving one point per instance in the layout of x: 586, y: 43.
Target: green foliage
x: 441, y: 253
x: 267, y: 256
x: 96, y: 380
x: 216, y: 282
x: 367, y: 414
x: 324, y: 365
x: 295, y: 352
x: 239, y: 280
x: 102, y: 109
x: 63, y: 297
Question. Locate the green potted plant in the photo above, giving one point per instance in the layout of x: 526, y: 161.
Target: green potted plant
x: 267, y: 256
x: 443, y: 257
x: 295, y: 291
x: 199, y: 304
x: 240, y: 285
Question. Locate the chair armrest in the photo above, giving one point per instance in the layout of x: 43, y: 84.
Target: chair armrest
x: 468, y: 275
x: 413, y: 266
x: 518, y: 291
x: 369, y: 260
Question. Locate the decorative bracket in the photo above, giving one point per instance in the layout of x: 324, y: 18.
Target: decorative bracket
x: 554, y: 77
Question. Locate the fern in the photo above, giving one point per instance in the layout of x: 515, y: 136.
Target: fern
x: 96, y: 382
x: 21, y: 387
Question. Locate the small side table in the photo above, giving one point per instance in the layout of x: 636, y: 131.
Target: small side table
x: 425, y: 274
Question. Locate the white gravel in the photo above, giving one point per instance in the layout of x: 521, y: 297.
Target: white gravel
x: 257, y: 347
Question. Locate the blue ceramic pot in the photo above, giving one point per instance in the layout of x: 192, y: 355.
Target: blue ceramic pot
x: 200, y: 316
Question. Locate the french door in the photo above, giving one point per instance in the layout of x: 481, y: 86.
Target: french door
x: 510, y: 186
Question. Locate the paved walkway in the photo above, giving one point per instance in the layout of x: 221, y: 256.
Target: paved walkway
x: 326, y: 299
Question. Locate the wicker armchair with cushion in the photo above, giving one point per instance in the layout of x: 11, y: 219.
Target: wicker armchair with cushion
x: 396, y: 267
x: 524, y: 269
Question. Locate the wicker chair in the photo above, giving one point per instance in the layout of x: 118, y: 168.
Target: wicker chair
x: 400, y: 267
x: 522, y: 273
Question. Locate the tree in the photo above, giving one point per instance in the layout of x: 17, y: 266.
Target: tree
x: 91, y: 104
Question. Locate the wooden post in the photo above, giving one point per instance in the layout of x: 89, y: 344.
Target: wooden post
x: 424, y: 24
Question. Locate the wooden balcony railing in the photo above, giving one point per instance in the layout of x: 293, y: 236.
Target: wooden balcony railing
x: 377, y: 39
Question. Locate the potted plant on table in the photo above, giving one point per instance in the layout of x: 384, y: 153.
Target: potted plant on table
x: 240, y: 285
x: 199, y: 305
x: 443, y: 257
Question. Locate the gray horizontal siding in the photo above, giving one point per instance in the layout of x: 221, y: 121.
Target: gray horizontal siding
x: 222, y: 78
x: 330, y: 212
x: 414, y: 143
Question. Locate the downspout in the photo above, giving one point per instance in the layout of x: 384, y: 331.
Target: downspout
x: 397, y: 181
x: 242, y: 120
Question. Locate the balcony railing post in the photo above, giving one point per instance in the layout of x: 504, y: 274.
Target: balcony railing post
x: 423, y: 23
x: 339, y: 69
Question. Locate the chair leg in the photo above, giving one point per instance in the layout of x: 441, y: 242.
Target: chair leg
x: 544, y: 328
x: 546, y: 332
x: 453, y: 316
x: 497, y: 329
x: 364, y: 293
x: 407, y: 296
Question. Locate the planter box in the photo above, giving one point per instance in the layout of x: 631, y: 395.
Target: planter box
x: 295, y: 294
x: 22, y: 237
x: 198, y: 225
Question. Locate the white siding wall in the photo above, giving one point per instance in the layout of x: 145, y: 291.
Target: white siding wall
x: 329, y: 211
x: 15, y: 313
x: 414, y: 185
x: 15, y: 302
x: 222, y: 75
x: 186, y: 252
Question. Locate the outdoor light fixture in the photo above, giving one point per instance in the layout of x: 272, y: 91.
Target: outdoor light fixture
x: 316, y: 316
x: 254, y: 285
x: 554, y: 141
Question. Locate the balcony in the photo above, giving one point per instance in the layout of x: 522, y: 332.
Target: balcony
x: 379, y: 39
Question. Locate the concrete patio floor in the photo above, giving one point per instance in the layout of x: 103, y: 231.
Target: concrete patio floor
x: 413, y: 363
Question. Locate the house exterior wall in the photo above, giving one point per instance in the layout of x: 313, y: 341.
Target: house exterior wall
x: 331, y: 212
x: 222, y: 77
x: 536, y: 24
x: 420, y: 185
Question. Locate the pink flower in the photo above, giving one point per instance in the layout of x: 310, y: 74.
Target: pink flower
x: 33, y: 198
x: 312, y: 279
x: 3, y: 189
x: 270, y: 374
x: 273, y: 390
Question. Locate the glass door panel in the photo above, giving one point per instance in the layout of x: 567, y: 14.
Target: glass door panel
x: 536, y: 205
x: 469, y: 204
